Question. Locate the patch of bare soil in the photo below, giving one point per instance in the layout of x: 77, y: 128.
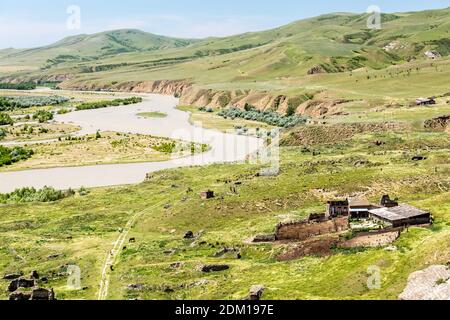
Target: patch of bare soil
x: 321, y: 247
x: 432, y: 283
x: 374, y: 240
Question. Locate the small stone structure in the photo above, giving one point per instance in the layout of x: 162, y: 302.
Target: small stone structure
x: 338, y: 208
x: 387, y: 202
x: 303, y: 230
x: 205, y: 195
x: 264, y: 238
x: 425, y: 101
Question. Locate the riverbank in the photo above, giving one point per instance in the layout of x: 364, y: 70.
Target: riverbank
x: 224, y: 147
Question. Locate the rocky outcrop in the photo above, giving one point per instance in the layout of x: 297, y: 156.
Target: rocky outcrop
x: 213, y: 268
x: 432, y: 283
x: 316, y: 70
x: 439, y: 123
x: 256, y: 292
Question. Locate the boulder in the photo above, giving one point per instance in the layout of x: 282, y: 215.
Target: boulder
x: 256, y: 292
x: 12, y: 276
x: 432, y: 283
x: 34, y: 275
x: 224, y: 251
x: 176, y: 265
x: 20, y: 296
x: 264, y: 238
x: 42, y: 294
x: 189, y: 235
x: 20, y: 283
x: 213, y: 268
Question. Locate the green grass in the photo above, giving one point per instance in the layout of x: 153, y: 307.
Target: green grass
x: 153, y: 115
x: 83, y: 228
x: 378, y: 87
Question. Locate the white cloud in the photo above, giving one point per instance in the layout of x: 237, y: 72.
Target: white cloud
x: 26, y: 33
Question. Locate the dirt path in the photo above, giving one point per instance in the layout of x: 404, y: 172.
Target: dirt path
x: 113, y: 255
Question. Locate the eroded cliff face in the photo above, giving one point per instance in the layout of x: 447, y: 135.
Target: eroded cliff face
x: 191, y: 94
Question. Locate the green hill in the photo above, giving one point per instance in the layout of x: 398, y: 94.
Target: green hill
x: 91, y: 47
x: 298, y: 57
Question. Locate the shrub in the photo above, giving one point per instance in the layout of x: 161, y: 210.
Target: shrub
x: 18, y: 86
x: 166, y: 147
x: 269, y: 117
x: 45, y: 194
x: 22, y: 102
x: 9, y: 156
x: 5, y: 119
x: 2, y: 134
x: 43, y: 116
x: 108, y: 103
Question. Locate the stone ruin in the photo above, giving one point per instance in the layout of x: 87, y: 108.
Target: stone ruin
x: 205, y: 195
x: 22, y: 289
x: 305, y: 229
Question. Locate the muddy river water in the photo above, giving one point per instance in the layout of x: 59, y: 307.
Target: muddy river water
x: 225, y: 147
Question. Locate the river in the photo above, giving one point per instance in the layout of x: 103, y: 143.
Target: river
x: 225, y: 147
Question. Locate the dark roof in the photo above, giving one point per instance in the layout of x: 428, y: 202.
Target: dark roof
x: 338, y: 202
x: 400, y: 212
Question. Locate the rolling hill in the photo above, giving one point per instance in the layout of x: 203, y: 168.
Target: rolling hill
x: 334, y: 53
x: 91, y: 47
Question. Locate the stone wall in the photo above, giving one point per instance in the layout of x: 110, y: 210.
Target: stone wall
x: 304, y: 230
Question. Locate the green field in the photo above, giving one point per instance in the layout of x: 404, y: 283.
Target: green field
x: 362, y: 133
x: 80, y: 230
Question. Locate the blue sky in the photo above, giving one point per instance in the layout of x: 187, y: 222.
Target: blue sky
x: 29, y: 23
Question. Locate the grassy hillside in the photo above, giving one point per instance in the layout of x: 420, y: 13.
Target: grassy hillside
x: 91, y: 47
x: 80, y: 230
x: 331, y: 43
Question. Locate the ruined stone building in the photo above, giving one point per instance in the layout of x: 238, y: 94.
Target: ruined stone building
x: 338, y: 208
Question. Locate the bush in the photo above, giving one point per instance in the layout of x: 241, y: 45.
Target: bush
x: 43, y: 116
x: 9, y: 156
x: 18, y: 86
x: 2, y: 134
x: 22, y: 102
x: 5, y: 119
x: 45, y: 194
x: 269, y: 117
x: 166, y: 147
x: 108, y: 103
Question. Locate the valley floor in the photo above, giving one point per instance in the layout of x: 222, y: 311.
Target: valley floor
x: 160, y: 264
